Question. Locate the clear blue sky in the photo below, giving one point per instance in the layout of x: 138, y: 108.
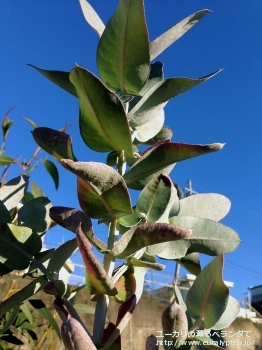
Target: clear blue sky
x: 227, y: 108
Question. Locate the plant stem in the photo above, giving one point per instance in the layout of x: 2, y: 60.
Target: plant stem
x: 100, y: 317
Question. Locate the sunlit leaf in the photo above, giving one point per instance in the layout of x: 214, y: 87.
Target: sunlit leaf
x: 123, y: 50
x: 135, y: 262
x: 17, y: 245
x: 13, y: 191
x: 60, y: 256
x: 35, y: 214
x: 54, y: 142
x: 164, y: 134
x: 52, y: 170
x: 101, y: 190
x: 92, y: 17
x: 102, y: 115
x: 208, y: 297
x: 160, y: 158
x: 208, y: 237
x: 33, y: 124
x: 70, y: 218
x: 145, y: 235
x: 36, y: 191
x: 156, y: 199
x: 59, y: 78
x: 229, y: 315
x: 170, y: 36
x: 94, y: 269
x: 25, y: 293
x: 5, y: 160
x: 149, y: 130
x: 209, y: 205
x: 126, y: 286
x: 6, y: 125
x: 165, y: 90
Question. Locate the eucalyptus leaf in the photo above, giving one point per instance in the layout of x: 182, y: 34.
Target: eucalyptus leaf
x: 35, y: 214
x: 70, y: 218
x: 208, y: 297
x: 164, y: 134
x: 101, y: 190
x: 123, y: 50
x: 140, y: 263
x: 5, y: 160
x: 13, y: 191
x: 161, y: 158
x: 52, y: 170
x: 145, y: 235
x: 54, y: 142
x: 209, y: 205
x: 95, y: 271
x: 146, y: 131
x: 59, y: 78
x: 17, y: 246
x: 191, y: 263
x: 170, y: 36
x: 208, y: 237
x: 92, y: 17
x: 156, y: 199
x: 10, y: 318
x: 59, y: 257
x: 229, y: 315
x: 165, y: 90
x: 102, y: 115
x: 36, y: 192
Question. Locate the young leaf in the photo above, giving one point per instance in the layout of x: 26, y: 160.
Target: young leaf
x: 17, y: 246
x: 70, y: 218
x: 165, y: 90
x: 5, y: 160
x: 10, y: 318
x: 92, y: 17
x: 124, y: 316
x: 208, y: 297
x: 170, y: 36
x: 94, y: 269
x: 155, y: 200
x: 158, y: 159
x: 123, y: 50
x: 147, y: 234
x: 25, y: 293
x: 74, y: 335
x: 13, y: 191
x: 110, y: 328
x: 152, y: 343
x: 135, y: 262
x: 54, y: 142
x: 175, y: 326
x: 59, y: 78
x: 6, y: 125
x: 125, y: 285
x: 164, y: 134
x: 102, y: 115
x: 209, y: 205
x: 101, y: 190
x: 60, y: 256
x: 52, y: 170
x: 208, y: 237
x: 35, y: 214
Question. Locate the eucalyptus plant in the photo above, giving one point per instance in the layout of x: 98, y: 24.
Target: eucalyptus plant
x: 120, y: 112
